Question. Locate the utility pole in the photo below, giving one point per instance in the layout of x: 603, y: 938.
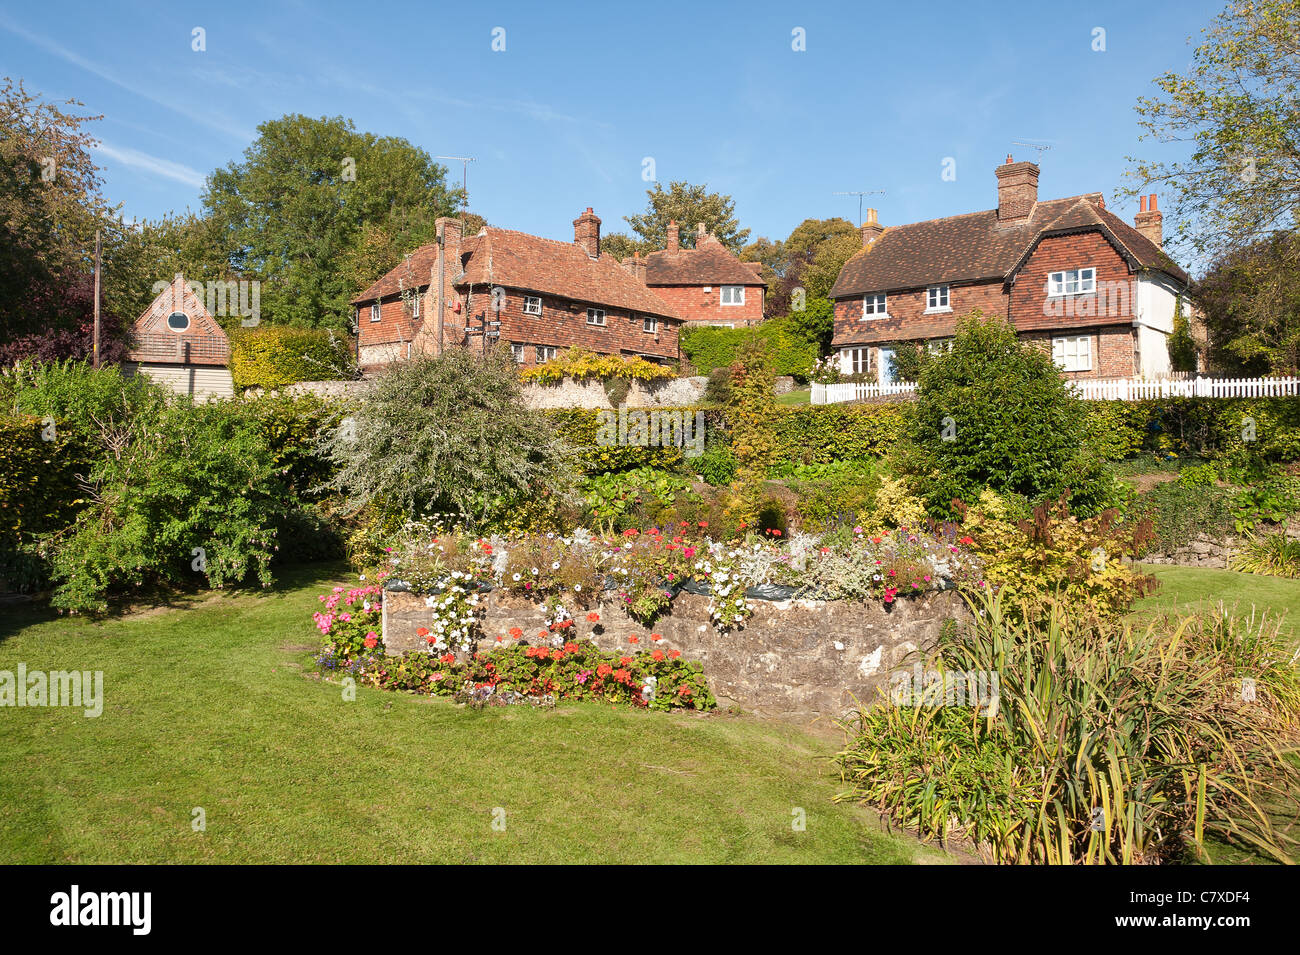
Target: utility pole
x: 98, y: 267
x: 873, y: 192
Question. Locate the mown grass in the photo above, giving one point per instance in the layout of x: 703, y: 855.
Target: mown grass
x: 210, y: 705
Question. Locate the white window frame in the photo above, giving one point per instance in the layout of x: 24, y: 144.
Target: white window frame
x: 596, y: 316
x: 649, y: 324
x: 1069, y: 356
x: 544, y: 353
x: 939, y: 346
x: 858, y: 360
x: 415, y: 305
x: 731, y: 295
x: 374, y: 311
x: 937, y: 299
x: 532, y: 305
x: 875, y: 305
x: 519, y: 353
x: 1072, y: 282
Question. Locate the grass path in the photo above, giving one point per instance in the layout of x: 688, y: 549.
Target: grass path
x: 208, y: 706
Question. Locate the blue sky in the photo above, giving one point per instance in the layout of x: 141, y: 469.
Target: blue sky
x: 564, y: 116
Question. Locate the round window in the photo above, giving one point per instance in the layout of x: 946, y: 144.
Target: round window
x: 178, y: 321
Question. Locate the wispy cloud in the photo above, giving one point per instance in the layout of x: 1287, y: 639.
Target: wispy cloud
x: 76, y: 59
x: 153, y: 164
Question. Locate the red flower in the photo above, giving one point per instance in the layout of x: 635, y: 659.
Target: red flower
x: 541, y: 634
x: 631, y: 532
x: 622, y: 676
x: 966, y: 540
x: 431, y: 640
x: 704, y: 523
x: 370, y: 642
x: 448, y: 658
x: 604, y: 670
x: 626, y: 661
x: 657, y: 655
x: 656, y: 637
x: 516, y: 633
x: 571, y: 647
x: 633, y: 639
x: 674, y: 654
x: 422, y: 632
x: 593, y: 617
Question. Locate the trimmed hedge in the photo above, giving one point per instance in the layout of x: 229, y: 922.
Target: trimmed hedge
x: 824, y: 434
x: 1262, y: 428
x: 709, y: 347
x: 272, y: 357
x: 578, y: 427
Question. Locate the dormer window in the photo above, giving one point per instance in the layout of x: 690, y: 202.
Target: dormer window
x: 936, y: 299
x: 1073, y: 282
x: 873, y: 306
x: 731, y: 295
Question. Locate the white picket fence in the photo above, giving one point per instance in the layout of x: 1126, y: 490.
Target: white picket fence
x: 1117, y: 389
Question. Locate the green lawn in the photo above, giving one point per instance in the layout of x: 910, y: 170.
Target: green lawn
x: 1190, y: 589
x: 800, y: 396
x: 210, y: 706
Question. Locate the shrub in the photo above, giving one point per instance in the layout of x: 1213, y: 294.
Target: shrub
x: 1104, y: 744
x: 994, y: 412
x: 718, y: 388
x: 446, y: 434
x: 189, y: 494
x: 634, y: 498
x: 291, y: 426
x: 580, y: 364
x: 578, y: 429
x: 274, y: 356
x: 1271, y: 554
x: 1056, y: 558
x: 708, y: 347
x: 717, y: 465
x: 93, y: 403
x: 832, y: 495
x: 752, y: 409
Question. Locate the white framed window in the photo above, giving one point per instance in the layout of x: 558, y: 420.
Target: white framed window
x: 374, y: 312
x: 178, y: 321
x: 415, y: 304
x: 544, y: 353
x: 518, y: 353
x: 1073, y: 353
x: 939, y: 346
x: 873, y: 306
x: 855, y: 361
x: 649, y: 324
x: 595, y: 316
x: 936, y: 299
x: 731, y: 295
x: 1072, y: 282
x: 532, y: 305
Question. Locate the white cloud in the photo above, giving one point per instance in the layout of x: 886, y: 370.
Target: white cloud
x: 153, y: 164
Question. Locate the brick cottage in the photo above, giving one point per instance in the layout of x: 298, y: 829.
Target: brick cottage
x: 545, y: 294
x: 1096, y: 293
x: 707, y: 285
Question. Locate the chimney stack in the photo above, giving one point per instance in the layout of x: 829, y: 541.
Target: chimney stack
x: 1017, y: 190
x: 871, y: 229
x: 672, y: 236
x: 586, y: 232
x: 1148, y: 220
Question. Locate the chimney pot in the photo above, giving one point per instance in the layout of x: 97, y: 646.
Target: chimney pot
x: 1149, y: 220
x: 586, y: 232
x: 673, y: 242
x: 1152, y: 205
x: 1142, y: 203
x: 871, y: 229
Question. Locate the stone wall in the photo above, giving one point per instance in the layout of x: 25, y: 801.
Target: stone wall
x: 800, y: 660
x: 1206, y: 551
x: 668, y: 393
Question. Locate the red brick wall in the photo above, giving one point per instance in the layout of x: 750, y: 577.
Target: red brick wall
x: 696, y: 305
x: 1114, y: 349
x: 395, y: 322
x: 563, y: 324
x: 907, y: 319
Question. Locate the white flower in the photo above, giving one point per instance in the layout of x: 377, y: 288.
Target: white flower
x: 577, y: 587
x: 555, y: 565
x: 516, y: 576
x: 838, y: 645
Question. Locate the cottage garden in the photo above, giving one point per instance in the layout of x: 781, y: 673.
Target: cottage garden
x: 1111, y: 739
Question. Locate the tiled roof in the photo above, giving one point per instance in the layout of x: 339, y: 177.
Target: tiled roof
x: 709, y: 263
x: 202, y: 342
x: 976, y: 246
x: 527, y: 262
x: 413, y: 272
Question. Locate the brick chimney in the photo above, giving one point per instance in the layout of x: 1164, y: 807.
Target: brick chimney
x: 673, y: 244
x: 586, y: 232
x: 1017, y: 190
x: 871, y: 229
x: 1148, y: 220
x: 700, y: 233
x: 636, y: 266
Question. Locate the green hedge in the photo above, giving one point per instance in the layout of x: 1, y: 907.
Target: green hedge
x: 1260, y: 428
x: 579, y: 427
x: 39, y: 492
x: 709, y: 347
x: 823, y: 434
x: 272, y: 357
